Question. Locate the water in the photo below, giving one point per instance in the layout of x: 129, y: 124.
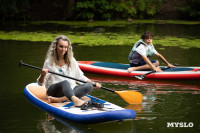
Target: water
x: 178, y: 30
x: 165, y: 101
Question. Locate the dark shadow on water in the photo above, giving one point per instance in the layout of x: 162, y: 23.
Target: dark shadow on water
x: 53, y: 124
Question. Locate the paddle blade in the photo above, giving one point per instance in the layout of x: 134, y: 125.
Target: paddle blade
x: 131, y: 97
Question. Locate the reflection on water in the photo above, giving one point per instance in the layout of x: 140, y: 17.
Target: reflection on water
x: 178, y: 30
x: 53, y: 125
x: 164, y: 101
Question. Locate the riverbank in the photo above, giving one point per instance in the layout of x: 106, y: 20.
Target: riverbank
x: 99, y: 33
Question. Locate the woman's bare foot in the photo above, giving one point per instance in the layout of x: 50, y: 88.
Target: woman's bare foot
x: 85, y: 98
x: 77, y: 101
x: 56, y: 99
x: 50, y: 99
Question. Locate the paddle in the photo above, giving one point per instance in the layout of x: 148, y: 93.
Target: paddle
x: 131, y: 97
x: 141, y: 77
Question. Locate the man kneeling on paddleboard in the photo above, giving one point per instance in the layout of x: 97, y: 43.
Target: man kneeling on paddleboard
x: 141, y: 52
x: 59, y: 59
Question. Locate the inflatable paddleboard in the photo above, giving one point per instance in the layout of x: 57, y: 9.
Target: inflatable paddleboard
x: 37, y: 95
x: 118, y: 69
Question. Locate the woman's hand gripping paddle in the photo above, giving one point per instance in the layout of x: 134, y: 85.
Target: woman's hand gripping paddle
x: 131, y: 97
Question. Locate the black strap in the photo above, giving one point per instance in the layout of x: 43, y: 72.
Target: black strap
x: 140, y: 43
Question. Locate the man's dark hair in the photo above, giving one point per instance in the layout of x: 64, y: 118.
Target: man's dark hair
x: 147, y: 35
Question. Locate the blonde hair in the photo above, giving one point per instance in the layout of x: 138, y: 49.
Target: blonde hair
x: 52, y: 51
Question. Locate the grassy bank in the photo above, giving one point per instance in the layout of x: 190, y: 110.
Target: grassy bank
x: 99, y: 39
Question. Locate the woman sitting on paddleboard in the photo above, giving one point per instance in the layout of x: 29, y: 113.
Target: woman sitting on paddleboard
x: 140, y: 53
x: 60, y: 59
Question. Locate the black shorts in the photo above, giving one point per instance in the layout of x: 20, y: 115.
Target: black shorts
x: 141, y: 63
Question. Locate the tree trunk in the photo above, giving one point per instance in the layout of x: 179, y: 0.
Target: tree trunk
x: 67, y: 9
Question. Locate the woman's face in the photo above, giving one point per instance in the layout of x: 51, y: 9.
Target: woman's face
x: 148, y: 41
x: 62, y: 47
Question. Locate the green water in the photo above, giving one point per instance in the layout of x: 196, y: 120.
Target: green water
x: 165, y: 100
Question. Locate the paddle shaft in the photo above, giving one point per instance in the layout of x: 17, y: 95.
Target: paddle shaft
x: 175, y: 64
x: 27, y: 65
x: 155, y: 71
x: 143, y: 76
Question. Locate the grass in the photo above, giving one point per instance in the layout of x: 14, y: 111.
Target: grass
x: 98, y: 39
x: 101, y: 39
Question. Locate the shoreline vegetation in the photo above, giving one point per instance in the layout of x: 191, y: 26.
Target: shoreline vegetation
x: 101, y: 38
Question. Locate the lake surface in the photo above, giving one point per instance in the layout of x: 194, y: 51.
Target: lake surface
x: 164, y: 100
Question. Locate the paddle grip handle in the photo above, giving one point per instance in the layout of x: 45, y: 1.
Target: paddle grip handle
x: 23, y: 64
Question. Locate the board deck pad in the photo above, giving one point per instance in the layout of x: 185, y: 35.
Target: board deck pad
x: 40, y: 92
x: 126, y: 66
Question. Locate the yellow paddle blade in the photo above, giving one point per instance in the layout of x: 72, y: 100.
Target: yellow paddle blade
x: 131, y: 97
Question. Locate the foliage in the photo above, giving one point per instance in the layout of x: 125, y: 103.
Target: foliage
x: 16, y: 9
x: 116, y: 9
x: 92, y: 9
x: 148, y: 7
x: 191, y: 9
x: 86, y: 8
x: 125, y: 9
x: 112, y: 9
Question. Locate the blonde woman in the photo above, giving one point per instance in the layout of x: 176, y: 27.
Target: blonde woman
x: 60, y: 59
